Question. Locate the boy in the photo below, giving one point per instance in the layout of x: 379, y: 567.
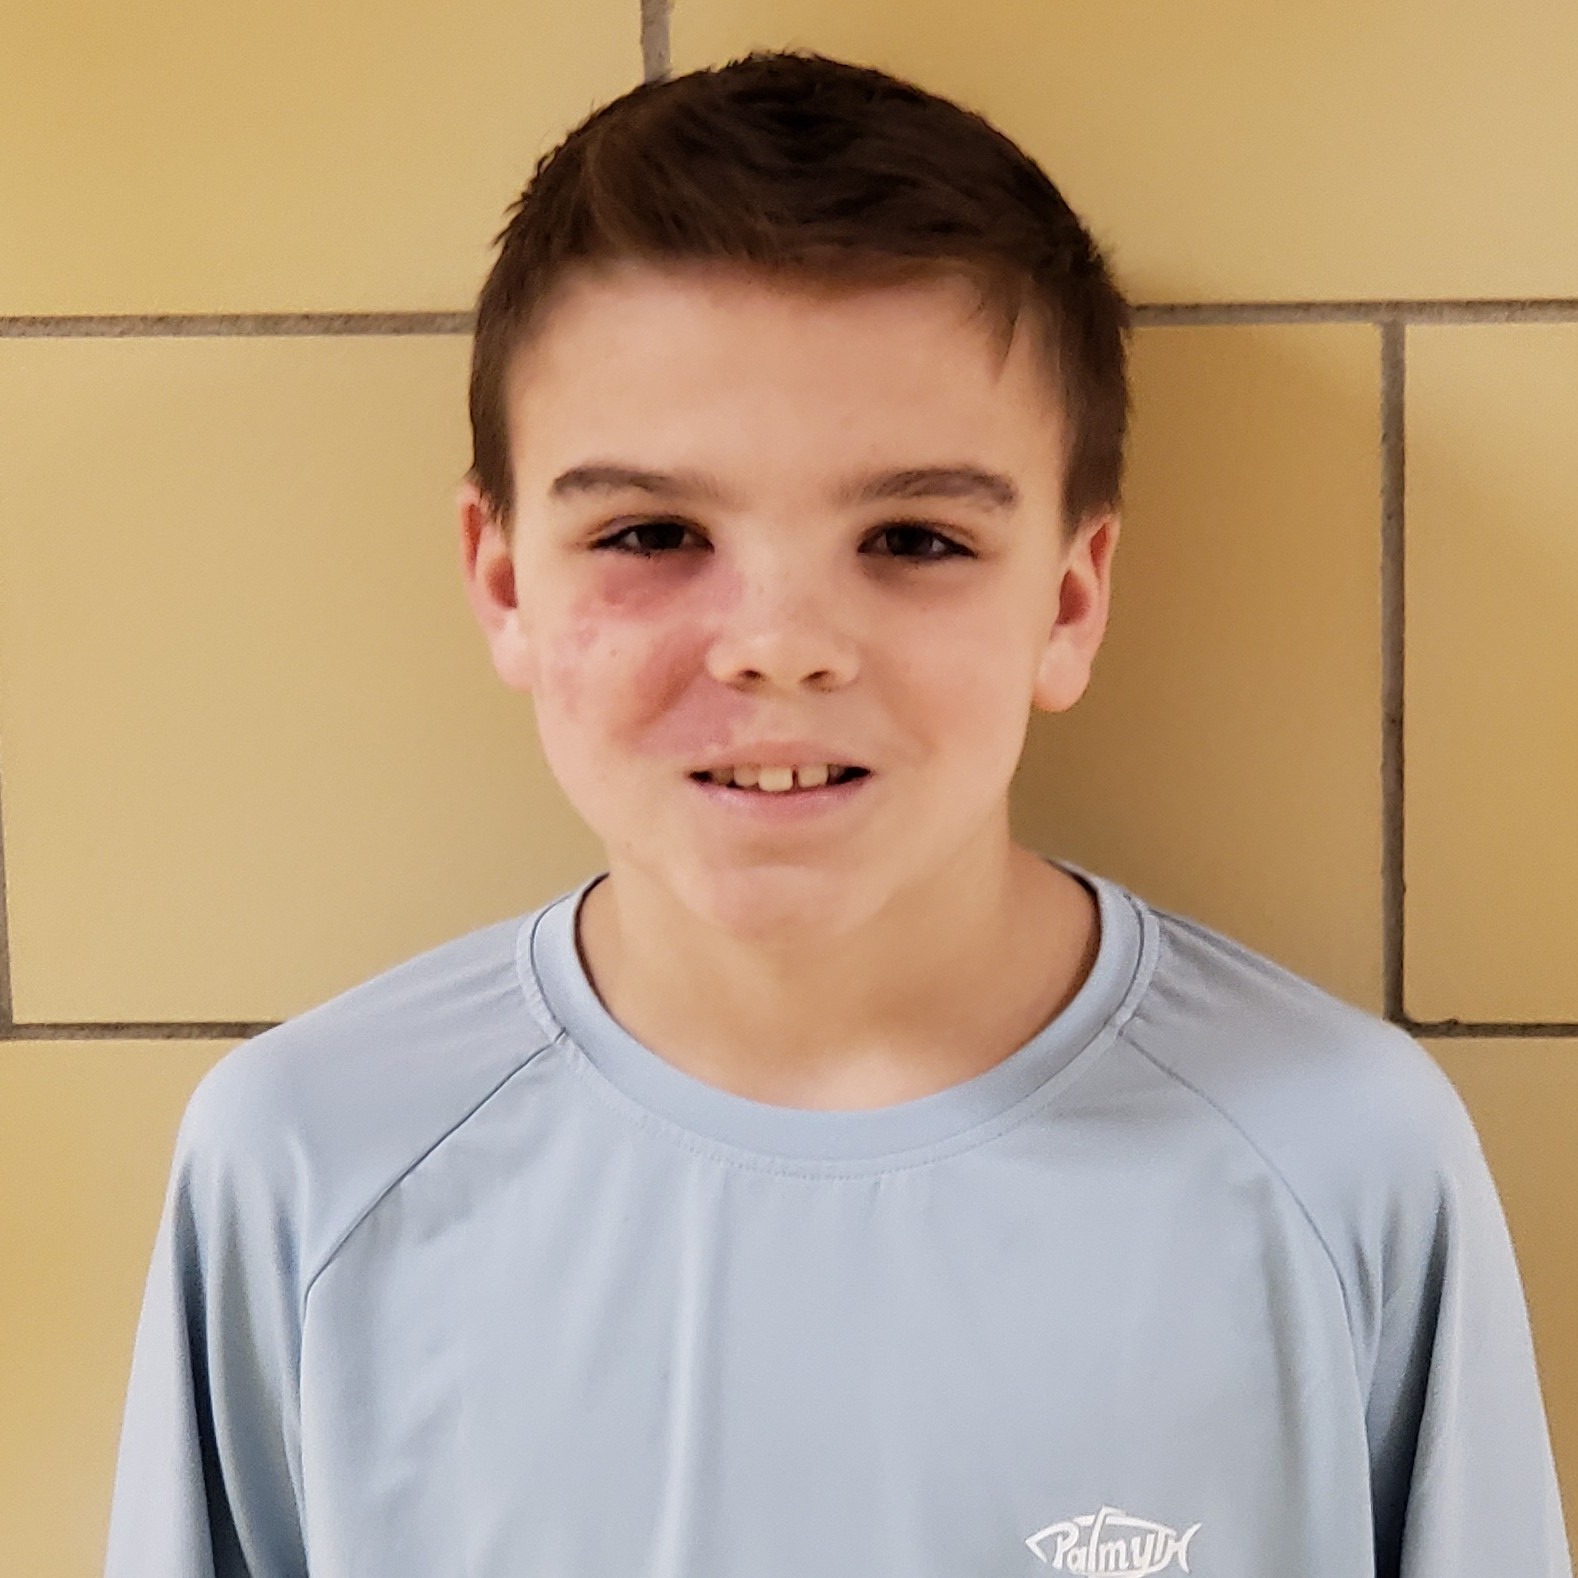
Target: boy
x: 832, y: 1186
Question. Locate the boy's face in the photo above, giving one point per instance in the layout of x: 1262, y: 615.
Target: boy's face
x: 789, y: 453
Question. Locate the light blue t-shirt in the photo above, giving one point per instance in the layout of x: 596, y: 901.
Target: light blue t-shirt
x: 456, y: 1279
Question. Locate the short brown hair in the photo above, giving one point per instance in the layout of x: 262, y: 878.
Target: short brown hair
x: 796, y: 164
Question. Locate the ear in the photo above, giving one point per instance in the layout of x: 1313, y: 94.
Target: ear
x: 488, y: 570
x: 1084, y: 594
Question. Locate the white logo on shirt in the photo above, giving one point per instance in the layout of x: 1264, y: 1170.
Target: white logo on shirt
x: 1112, y: 1542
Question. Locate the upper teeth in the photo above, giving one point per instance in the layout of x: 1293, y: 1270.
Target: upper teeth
x: 775, y: 780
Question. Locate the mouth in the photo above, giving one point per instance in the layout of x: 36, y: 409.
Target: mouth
x: 841, y: 775
x: 785, y: 808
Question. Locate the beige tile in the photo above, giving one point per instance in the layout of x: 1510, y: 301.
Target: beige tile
x: 1225, y: 759
x: 1523, y: 1096
x: 1239, y: 150
x: 198, y: 157
x: 251, y: 744
x: 86, y: 1132
x: 1491, y: 712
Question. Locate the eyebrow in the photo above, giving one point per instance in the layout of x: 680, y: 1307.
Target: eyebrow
x: 603, y: 477
x: 975, y: 483
x: 936, y: 482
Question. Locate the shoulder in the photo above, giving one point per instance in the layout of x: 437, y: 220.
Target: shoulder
x: 308, y: 1123
x: 1326, y: 1084
x: 1348, y: 1110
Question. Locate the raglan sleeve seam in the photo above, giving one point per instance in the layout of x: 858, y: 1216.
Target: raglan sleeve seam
x: 363, y: 1213
x: 1271, y: 1166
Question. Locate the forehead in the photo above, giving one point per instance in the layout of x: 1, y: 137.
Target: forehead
x: 654, y: 344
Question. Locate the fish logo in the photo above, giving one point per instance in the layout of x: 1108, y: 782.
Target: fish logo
x: 1113, y: 1543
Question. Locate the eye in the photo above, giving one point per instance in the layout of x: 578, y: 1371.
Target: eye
x: 914, y: 529
x: 906, y: 531
x: 640, y: 526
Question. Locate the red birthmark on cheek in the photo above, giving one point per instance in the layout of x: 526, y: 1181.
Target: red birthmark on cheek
x: 698, y: 710
x: 564, y: 665
x: 613, y: 663
x: 592, y: 651
x: 636, y: 652
x: 685, y: 712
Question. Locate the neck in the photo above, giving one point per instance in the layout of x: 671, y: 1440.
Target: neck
x: 940, y: 984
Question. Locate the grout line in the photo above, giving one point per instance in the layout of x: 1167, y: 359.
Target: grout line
x: 5, y: 940
x: 183, y: 325
x: 1394, y: 369
x: 169, y: 1030
x: 1557, y: 310
x: 1475, y: 1030
x: 179, y: 325
x: 654, y: 40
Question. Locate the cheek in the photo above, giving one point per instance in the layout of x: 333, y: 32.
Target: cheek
x: 603, y: 625
x: 627, y: 661
x: 968, y: 669
x: 566, y: 656
x: 969, y: 693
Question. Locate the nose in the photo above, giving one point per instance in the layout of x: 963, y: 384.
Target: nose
x: 780, y: 628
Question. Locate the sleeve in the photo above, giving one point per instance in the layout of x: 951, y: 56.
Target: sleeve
x: 207, y: 1481
x: 1464, y: 1482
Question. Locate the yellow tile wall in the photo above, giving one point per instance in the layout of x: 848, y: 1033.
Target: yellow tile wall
x: 1239, y: 151
x: 1492, y: 665
x: 254, y: 749
x: 251, y: 748
x: 213, y: 155
x: 86, y: 1130
x: 1224, y: 759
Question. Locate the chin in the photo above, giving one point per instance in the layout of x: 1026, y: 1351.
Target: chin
x: 769, y: 898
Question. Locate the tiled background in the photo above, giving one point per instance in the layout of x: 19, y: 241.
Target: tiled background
x: 252, y: 750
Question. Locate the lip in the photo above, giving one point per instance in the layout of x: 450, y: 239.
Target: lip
x: 794, y: 805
